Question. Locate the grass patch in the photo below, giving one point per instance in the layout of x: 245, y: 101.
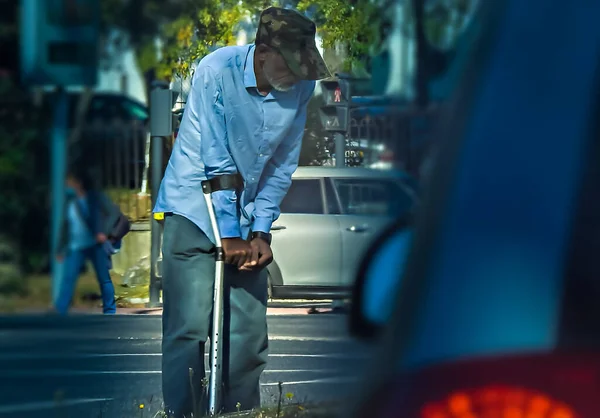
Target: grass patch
x: 331, y: 410
x: 123, y: 294
x: 288, y: 411
x: 285, y: 407
x: 38, y: 294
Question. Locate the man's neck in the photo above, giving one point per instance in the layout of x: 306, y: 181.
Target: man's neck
x: 262, y: 85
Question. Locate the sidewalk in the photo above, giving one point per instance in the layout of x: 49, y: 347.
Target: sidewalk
x: 271, y: 311
x: 274, y: 308
x: 151, y: 311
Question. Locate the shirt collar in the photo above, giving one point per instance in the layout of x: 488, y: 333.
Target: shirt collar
x: 249, y: 76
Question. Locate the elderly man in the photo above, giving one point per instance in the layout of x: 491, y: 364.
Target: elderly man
x: 245, y: 115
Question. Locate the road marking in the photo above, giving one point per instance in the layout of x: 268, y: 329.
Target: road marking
x: 84, y: 356
x: 297, y: 338
x: 328, y: 380
x: 292, y: 302
x: 36, y: 406
x: 67, y: 335
x: 69, y: 373
x: 287, y: 311
x: 332, y: 355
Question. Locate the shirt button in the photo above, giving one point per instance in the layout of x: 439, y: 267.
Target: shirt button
x: 260, y: 155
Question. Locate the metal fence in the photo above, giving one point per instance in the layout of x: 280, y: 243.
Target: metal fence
x: 404, y: 134
x: 117, y: 154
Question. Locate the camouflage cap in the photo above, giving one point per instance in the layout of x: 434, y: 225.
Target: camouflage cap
x: 293, y: 36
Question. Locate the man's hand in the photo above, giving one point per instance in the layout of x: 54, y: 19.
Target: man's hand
x: 237, y: 251
x: 101, y: 238
x: 261, y: 255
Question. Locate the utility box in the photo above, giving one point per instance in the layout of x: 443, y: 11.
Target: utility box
x: 59, y: 42
x: 162, y: 101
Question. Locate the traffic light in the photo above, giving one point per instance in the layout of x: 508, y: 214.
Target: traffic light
x: 334, y: 112
x: 59, y: 42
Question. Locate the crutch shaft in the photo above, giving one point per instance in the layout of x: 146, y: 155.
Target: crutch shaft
x: 216, y: 344
x: 216, y: 339
x: 223, y: 182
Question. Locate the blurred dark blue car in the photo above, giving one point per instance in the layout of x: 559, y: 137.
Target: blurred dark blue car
x: 495, y: 305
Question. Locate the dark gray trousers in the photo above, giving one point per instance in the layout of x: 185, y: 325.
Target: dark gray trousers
x: 188, y: 279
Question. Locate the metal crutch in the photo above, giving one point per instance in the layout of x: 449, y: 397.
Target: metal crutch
x: 216, y: 341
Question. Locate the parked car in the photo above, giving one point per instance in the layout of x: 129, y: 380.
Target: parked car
x: 105, y: 107
x: 329, y: 218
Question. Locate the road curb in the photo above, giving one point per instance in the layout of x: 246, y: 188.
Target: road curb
x: 271, y: 311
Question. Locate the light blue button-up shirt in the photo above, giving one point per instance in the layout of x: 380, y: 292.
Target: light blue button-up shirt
x: 228, y: 127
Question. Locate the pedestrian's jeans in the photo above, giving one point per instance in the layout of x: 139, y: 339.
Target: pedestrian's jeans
x: 73, y: 262
x: 188, y: 280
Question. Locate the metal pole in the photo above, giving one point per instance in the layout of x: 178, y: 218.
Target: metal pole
x: 422, y: 76
x: 155, y: 230
x: 144, y: 187
x: 340, y: 138
x: 160, y: 127
x: 124, y: 84
x: 58, y: 165
x: 340, y: 150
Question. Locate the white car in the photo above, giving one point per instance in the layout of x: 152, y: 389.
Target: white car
x: 329, y: 218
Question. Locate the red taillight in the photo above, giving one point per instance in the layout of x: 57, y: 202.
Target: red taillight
x: 497, y: 401
x: 536, y: 386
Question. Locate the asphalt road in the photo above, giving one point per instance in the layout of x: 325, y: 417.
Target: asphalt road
x: 96, y: 366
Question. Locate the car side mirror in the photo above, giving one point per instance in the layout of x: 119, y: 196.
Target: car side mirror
x: 378, y: 279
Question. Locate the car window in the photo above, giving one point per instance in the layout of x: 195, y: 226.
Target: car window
x: 304, y: 196
x: 134, y: 110
x: 373, y: 197
x: 102, y: 108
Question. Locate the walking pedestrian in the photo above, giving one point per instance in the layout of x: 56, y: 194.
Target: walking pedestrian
x: 84, y: 236
x: 245, y: 115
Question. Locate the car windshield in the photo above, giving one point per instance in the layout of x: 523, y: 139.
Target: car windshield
x: 135, y: 110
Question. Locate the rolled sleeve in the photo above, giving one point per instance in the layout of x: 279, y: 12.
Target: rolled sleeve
x: 277, y: 177
x: 215, y: 153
